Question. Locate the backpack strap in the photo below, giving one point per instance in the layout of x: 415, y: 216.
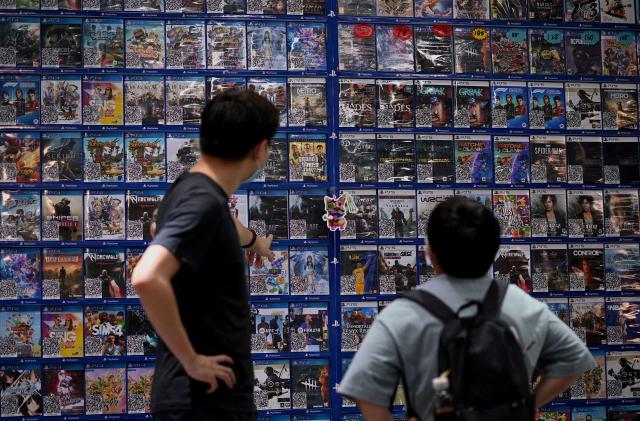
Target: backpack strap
x: 431, y: 304
x: 492, y: 302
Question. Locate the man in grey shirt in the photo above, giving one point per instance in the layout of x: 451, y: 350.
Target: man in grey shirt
x: 463, y: 237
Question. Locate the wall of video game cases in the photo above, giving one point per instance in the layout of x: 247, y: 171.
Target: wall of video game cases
x: 528, y: 107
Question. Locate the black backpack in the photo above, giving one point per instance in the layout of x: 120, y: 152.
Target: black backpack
x: 488, y: 379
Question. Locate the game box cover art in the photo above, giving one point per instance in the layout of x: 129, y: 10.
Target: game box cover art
x: 358, y: 270
x: 509, y: 105
x: 395, y: 103
x: 104, y: 273
x: 104, y: 331
x: 397, y: 268
x: 394, y: 8
x: 549, y: 212
x: 266, y: 45
x: 20, y: 40
x: 132, y: 257
x: 584, y: 110
x: 275, y: 90
x: 357, y: 318
x: 356, y: 7
x: 145, y: 44
x: 473, y: 157
x: 20, y: 215
x: 358, y: 158
x: 395, y: 48
x: 434, y: 8
x: 275, y: 169
x: 617, y: 11
x: 547, y: 106
x: 591, y: 384
x: 511, y: 159
x: 427, y: 201
x: 270, y: 327
x: 620, y: 160
x: 104, y: 215
x: 512, y: 263
x: 363, y: 223
x: 309, y: 270
x: 546, y: 47
x: 395, y: 153
x: 144, y: 6
x: 560, y: 308
x: 306, y: 209
x: 142, y: 211
x: 585, y: 213
x: 21, y: 391
x: 266, y: 7
x: 619, y: 53
x: 434, y: 158
x: 268, y: 213
x: 185, y: 6
x: 553, y: 414
x: 61, y: 156
x: 622, y: 374
x: 591, y: 413
x: 62, y: 274
x: 139, y: 381
x: 61, y: 99
x: 145, y: 157
x: 183, y: 150
x: 102, y: 100
x: 510, y: 50
x: 309, y: 327
x: 62, y: 215
x: 306, y: 45
x: 621, y: 213
x: 586, y: 267
x: 306, y: 7
x: 512, y: 209
x: 425, y: 266
x: 63, y: 389
x: 270, y: 277
x: 472, y: 105
x: 623, y: 412
x: 141, y: 337
x: 60, y: 5
x: 103, y: 157
x: 62, y: 331
x: 356, y: 47
x: 471, y: 9
x: 588, y: 320
x: 103, y: 44
x: 311, y: 387
x: 307, y: 102
x: 226, y: 45
x: 433, y: 48
x: 144, y: 100
x: 61, y: 42
x: 272, y: 388
x: 584, y: 55
x: 582, y: 11
x: 20, y: 103
x: 549, y: 269
x: 185, y: 44
x: 509, y: 9
x: 434, y: 103
x: 20, y: 157
x: 622, y: 267
x: 20, y: 273
x: 102, y: 5
x: 619, y: 106
x: 307, y: 158
x: 106, y: 389
x: 622, y: 320
x: 546, y: 10
x: 20, y: 329
x: 548, y: 159
x: 584, y: 159
x: 482, y: 196
x: 185, y: 100
x: 357, y: 103
x: 472, y: 48
x: 397, y: 213
x: 233, y: 7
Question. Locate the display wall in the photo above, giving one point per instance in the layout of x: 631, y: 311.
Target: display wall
x: 529, y: 108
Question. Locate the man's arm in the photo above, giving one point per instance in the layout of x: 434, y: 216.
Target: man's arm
x: 550, y: 388
x: 152, y: 281
x: 373, y: 412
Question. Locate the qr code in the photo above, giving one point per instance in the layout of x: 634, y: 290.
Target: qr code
x: 256, y: 59
x: 49, y: 114
x: 298, y: 285
x: 614, y: 388
x: 610, y: 120
x: 134, y: 172
x: 173, y: 5
x: 8, y: 57
x: 463, y: 173
x: 49, y: 4
x: 298, y: 341
x: 133, y: 60
x: 7, y: 4
x: 92, y: 346
x: 131, y: 291
x: 385, y: 117
x: 7, y: 115
x: 299, y: 400
x: 576, y: 174
x: 297, y: 117
x: 573, y: 120
x: 425, y: 173
x: 215, y: 6
x: 575, y: 228
x: 94, y: 404
x: 536, y: 119
x: 387, y: 284
x: 51, y: 172
x: 423, y: 117
x: 579, y: 389
x: 50, y: 289
x: 296, y: 61
x: 610, y: 228
x: 499, y: 119
x: 259, y: 226
x: 348, y: 173
x: 614, y: 335
x: 422, y: 226
x: 348, y: 403
x: 174, y: 170
x: 135, y: 345
x: 134, y: 230
x: 295, y: 7
x: 94, y: 230
x: 8, y: 289
x: 581, y: 333
x: 174, y: 57
x: 130, y: 6
x: 51, y: 347
x: 174, y: 115
x: 385, y: 171
x: 347, y: 284
x: 538, y: 173
x: 295, y: 172
x: 349, y: 230
x: 52, y: 406
x: 540, y: 227
x: 461, y: 119
x: 133, y: 114
x: 91, y: 114
x: 8, y: 347
x: 258, y: 285
x: 92, y: 171
x: 92, y: 288
x: 503, y: 174
x: 51, y: 230
x: 261, y: 398
x: 540, y: 282
x: 9, y: 231
x: 9, y: 405
x: 258, y: 342
x: 387, y: 228
x: 9, y: 171
x: 136, y: 403
x: 298, y: 229
x: 576, y: 282
x: 91, y: 4
x: 50, y: 57
x: 613, y: 281
x: 350, y: 340
x: 612, y: 174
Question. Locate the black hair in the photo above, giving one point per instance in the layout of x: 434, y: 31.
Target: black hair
x: 465, y: 237
x: 236, y: 121
x: 549, y: 196
x: 584, y: 198
x: 556, y: 98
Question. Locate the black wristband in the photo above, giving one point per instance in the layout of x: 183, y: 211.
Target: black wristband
x: 254, y: 236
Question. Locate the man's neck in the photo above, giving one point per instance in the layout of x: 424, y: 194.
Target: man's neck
x: 224, y: 173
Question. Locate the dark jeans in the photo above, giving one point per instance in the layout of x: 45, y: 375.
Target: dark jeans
x: 203, y: 415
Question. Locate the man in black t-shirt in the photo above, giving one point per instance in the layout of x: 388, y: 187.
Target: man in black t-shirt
x: 191, y: 279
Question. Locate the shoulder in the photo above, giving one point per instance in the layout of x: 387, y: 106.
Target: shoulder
x: 404, y: 315
x: 196, y: 194
x: 518, y: 305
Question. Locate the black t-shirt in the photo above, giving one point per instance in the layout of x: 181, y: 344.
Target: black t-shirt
x: 194, y: 223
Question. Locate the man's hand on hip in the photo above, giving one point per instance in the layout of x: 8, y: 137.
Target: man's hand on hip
x: 211, y: 370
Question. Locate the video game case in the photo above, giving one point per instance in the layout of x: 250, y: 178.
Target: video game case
x: 60, y: 5
x: 104, y: 330
x: 21, y: 328
x: 356, y: 7
x: 275, y: 169
x: 474, y: 9
x: 434, y: 158
x: 620, y: 160
x: 139, y: 381
x: 144, y: 6
x: 306, y: 208
x: 427, y: 200
x: 268, y: 213
x: 132, y: 257
x: 547, y: 50
x: 585, y: 213
x: 358, y: 158
x: 587, y: 320
x: 185, y: 42
x: 63, y: 390
x: 183, y: 150
x: 396, y: 158
x: 185, y: 6
x: 589, y: 413
x: 482, y: 196
x: 425, y: 267
x: 512, y: 263
x: 62, y: 274
x: 144, y: 100
x: 22, y: 388
x: 22, y: 5
x: 397, y: 268
x: 226, y: 45
x: 104, y: 271
x: 591, y: 383
x: 473, y: 157
x: 307, y: 102
x: 395, y: 102
x: 270, y: 323
x: 357, y: 318
x: 546, y: 11
x: 308, y: 158
x: 103, y: 43
x: 146, y: 153
x: 309, y: 327
x: 584, y: 54
x: 310, y: 384
x: 231, y: 7
x: 274, y: 89
x: 549, y: 212
x: 619, y: 412
x: 20, y: 104
x: 549, y: 271
x: 434, y: 48
x: 61, y: 156
x: 582, y: 11
x: 622, y: 270
x: 510, y: 50
x: 621, y: 212
x: 62, y: 331
x: 54, y: 111
x: 21, y: 41
x: 473, y: 106
x: 434, y: 103
x: 509, y: 105
x: 362, y: 224
x: 441, y: 9
x: 103, y: 157
x: 266, y: 45
x: 509, y: 9
x: 102, y: 100
x: 356, y: 47
x: 584, y: 111
x: 102, y: 5
x: 395, y: 47
x: 397, y: 213
x: 23, y: 261
x: 104, y: 215
x: 548, y: 159
x: 309, y: 270
x: 357, y: 103
x: 272, y: 387
x: 619, y: 53
x: 619, y: 365
x: 617, y: 11
x: 142, y: 211
x: 621, y: 320
x: 306, y: 46
x: 20, y: 157
x: 584, y: 159
x: 106, y: 388
x: 306, y: 8
x: 62, y: 215
x: 20, y: 215
x: 512, y: 208
x: 144, y: 42
x: 141, y: 337
x: 185, y: 100
x: 547, y: 109
x: 270, y: 277
x: 560, y: 308
x: 61, y: 42
x: 619, y: 106
x: 397, y: 9
x: 358, y: 269
x: 472, y: 47
x: 511, y: 159
x: 586, y: 267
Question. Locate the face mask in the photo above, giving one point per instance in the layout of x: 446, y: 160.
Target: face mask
x: 257, y: 173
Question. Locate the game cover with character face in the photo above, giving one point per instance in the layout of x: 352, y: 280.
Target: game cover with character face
x: 21, y: 391
x: 141, y: 337
x: 139, y: 381
x: 185, y: 42
x: 395, y: 102
x: 20, y: 103
x: 270, y: 328
x: 357, y: 103
x: 358, y: 158
x: 397, y: 271
x: 104, y: 215
x: 309, y: 327
x: 510, y: 50
x: 311, y: 387
x: 622, y: 320
x: 434, y: 103
x: 586, y: 267
x: 394, y: 8
x: 183, y: 150
x: 619, y: 106
x: 63, y: 389
x: 434, y: 8
x: 102, y: 98
x: 20, y: 273
x: 267, y: 45
x: 363, y: 223
x: 145, y: 157
x: 144, y: 100
x: 549, y: 212
x: 20, y: 37
x: 509, y: 105
x: 275, y: 90
x: 472, y: 50
x: 549, y: 269
x: 548, y: 159
x: 397, y: 213
x: 588, y: 320
x: 621, y: 213
x: 512, y: 209
x: 103, y: 44
x: 61, y: 156
x: 356, y: 47
x: 272, y: 388
x: 622, y: 374
x: 546, y: 47
x: 142, y: 211
x: 306, y: 209
x: 309, y: 270
x: 306, y: 45
x: 270, y: 277
x: 472, y: 105
x: 395, y: 48
x: 434, y: 156
x: 275, y: 169
x: 358, y: 270
x: 511, y: 159
x: 620, y: 160
x: 583, y: 106
x: 307, y: 102
x: 61, y: 99
x: 622, y: 267
x: 547, y: 107
x: 427, y: 201
x: 357, y: 318
x: 106, y: 391
x: 104, y: 331
x: 512, y: 264
x: 103, y: 157
x: 62, y: 215
x: 20, y: 215
x: 308, y: 158
x: 226, y: 45
x: 473, y: 158
x: 133, y: 255
x: 62, y: 332
x: 185, y: 100
x: 20, y: 329
x: 395, y: 153
x: 61, y: 42
x: 145, y: 44
x: 268, y: 213
x: 619, y: 53
x: 62, y: 274
x: 104, y: 273
x: 584, y: 159
x: 20, y: 157
x: 584, y: 55
x: 585, y: 213
x: 433, y: 48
